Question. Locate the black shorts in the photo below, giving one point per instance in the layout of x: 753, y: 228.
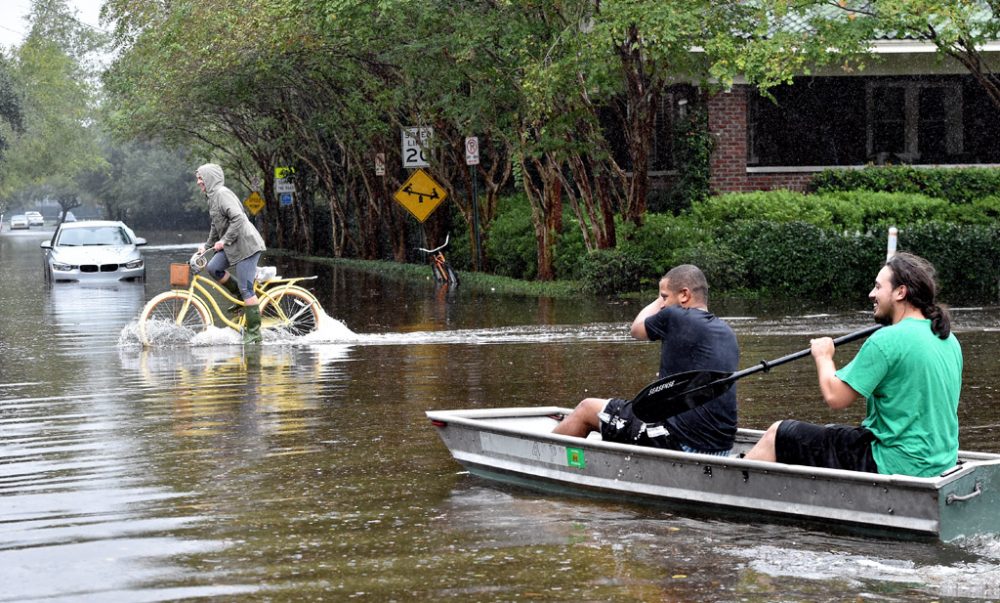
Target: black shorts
x: 832, y: 446
x: 619, y: 424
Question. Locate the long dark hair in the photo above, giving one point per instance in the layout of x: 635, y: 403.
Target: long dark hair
x: 921, y: 289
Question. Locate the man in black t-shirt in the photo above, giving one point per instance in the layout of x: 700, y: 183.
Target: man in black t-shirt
x: 692, y: 339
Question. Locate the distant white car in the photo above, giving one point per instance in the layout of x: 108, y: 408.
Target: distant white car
x: 94, y: 250
x: 18, y: 221
x: 34, y: 218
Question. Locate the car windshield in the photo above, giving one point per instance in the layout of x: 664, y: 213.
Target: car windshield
x: 97, y: 235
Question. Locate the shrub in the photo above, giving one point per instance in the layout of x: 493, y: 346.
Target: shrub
x: 774, y: 206
x: 693, y: 144
x: 610, y: 271
x: 853, y: 211
x: 967, y: 258
x: 801, y: 259
x: 511, y: 246
x: 960, y: 185
x: 659, y: 238
x: 724, y: 269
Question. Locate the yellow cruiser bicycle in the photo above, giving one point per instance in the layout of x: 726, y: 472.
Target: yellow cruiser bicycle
x: 283, y: 303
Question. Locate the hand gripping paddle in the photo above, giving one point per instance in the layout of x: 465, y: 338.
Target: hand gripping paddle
x: 680, y: 392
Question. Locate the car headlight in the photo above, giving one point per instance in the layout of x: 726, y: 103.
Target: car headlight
x: 134, y: 264
x: 62, y: 267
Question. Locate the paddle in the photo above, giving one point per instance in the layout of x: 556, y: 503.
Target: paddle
x: 677, y: 393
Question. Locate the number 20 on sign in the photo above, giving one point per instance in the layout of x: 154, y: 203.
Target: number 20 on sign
x: 415, y: 140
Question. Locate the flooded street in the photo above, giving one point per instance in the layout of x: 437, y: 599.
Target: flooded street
x: 305, y: 469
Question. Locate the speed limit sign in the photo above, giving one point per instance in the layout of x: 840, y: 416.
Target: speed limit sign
x: 472, y: 150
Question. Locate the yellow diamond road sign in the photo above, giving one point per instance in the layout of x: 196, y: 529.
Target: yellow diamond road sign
x: 254, y: 203
x: 420, y: 195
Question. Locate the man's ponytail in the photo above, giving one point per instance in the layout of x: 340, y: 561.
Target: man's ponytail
x: 917, y: 274
x: 940, y: 320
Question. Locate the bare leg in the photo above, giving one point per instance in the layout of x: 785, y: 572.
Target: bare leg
x: 764, y: 449
x: 583, y: 419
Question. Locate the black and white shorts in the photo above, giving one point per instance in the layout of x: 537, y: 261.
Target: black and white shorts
x: 619, y: 424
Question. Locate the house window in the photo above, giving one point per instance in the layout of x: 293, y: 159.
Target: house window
x: 913, y: 121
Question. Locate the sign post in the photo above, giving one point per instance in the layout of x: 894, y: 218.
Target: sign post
x: 472, y: 160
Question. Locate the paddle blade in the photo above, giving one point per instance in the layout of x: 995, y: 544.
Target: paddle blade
x: 678, y: 393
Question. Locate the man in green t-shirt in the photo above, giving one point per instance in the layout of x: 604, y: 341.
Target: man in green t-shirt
x: 910, y: 373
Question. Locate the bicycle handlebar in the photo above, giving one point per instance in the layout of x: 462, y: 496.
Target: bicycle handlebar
x: 198, y: 261
x: 446, y: 237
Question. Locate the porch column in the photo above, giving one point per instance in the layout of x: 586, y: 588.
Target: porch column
x: 727, y: 121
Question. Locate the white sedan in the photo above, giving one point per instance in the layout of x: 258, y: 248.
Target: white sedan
x: 94, y: 250
x: 18, y: 221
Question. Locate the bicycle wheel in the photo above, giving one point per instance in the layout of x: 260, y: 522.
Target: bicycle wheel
x: 452, y: 275
x: 292, y: 308
x: 440, y: 276
x: 169, y: 309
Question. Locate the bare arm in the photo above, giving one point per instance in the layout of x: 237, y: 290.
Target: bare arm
x: 836, y: 393
x: 638, y: 329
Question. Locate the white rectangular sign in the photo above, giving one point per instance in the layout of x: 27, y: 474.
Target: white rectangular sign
x: 380, y: 164
x: 283, y: 186
x: 414, y: 142
x: 472, y: 150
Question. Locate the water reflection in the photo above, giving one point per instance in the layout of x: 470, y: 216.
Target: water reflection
x: 305, y: 469
x: 658, y: 555
x: 89, y: 314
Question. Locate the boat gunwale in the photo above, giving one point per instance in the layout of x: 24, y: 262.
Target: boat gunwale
x: 477, y: 419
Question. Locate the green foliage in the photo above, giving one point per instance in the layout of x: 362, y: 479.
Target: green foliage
x: 693, y: 145
x: 774, y: 206
x: 571, y: 251
x: 960, y: 185
x: 511, y: 247
x: 800, y: 259
x: 967, y: 258
x: 11, y: 114
x: 724, y: 268
x: 859, y: 210
x: 657, y: 241
x: 58, y: 142
x: 611, y: 271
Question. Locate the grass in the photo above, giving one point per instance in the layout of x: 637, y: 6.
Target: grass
x: 471, y: 281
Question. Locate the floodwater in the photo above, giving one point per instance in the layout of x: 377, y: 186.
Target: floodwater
x: 306, y: 470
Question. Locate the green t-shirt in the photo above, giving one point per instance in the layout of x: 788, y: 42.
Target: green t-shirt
x: 912, y: 380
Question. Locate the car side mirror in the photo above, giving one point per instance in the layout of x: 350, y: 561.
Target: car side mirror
x: 46, y: 245
x: 139, y: 241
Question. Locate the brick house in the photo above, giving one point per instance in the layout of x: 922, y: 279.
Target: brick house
x: 911, y: 106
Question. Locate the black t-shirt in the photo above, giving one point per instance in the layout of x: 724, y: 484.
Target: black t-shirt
x: 695, y: 340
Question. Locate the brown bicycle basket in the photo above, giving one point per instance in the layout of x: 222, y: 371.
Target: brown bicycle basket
x: 180, y: 275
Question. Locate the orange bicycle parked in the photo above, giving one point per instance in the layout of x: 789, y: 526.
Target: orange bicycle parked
x: 443, y: 273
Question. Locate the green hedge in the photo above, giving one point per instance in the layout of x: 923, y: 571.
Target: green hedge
x: 778, y: 243
x: 861, y: 211
x: 800, y: 259
x: 959, y: 185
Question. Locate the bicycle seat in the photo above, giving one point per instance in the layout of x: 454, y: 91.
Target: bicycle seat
x: 266, y: 273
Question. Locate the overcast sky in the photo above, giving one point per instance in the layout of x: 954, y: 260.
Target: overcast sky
x: 13, y: 27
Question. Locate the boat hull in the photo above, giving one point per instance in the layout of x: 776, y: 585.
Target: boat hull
x: 516, y: 445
